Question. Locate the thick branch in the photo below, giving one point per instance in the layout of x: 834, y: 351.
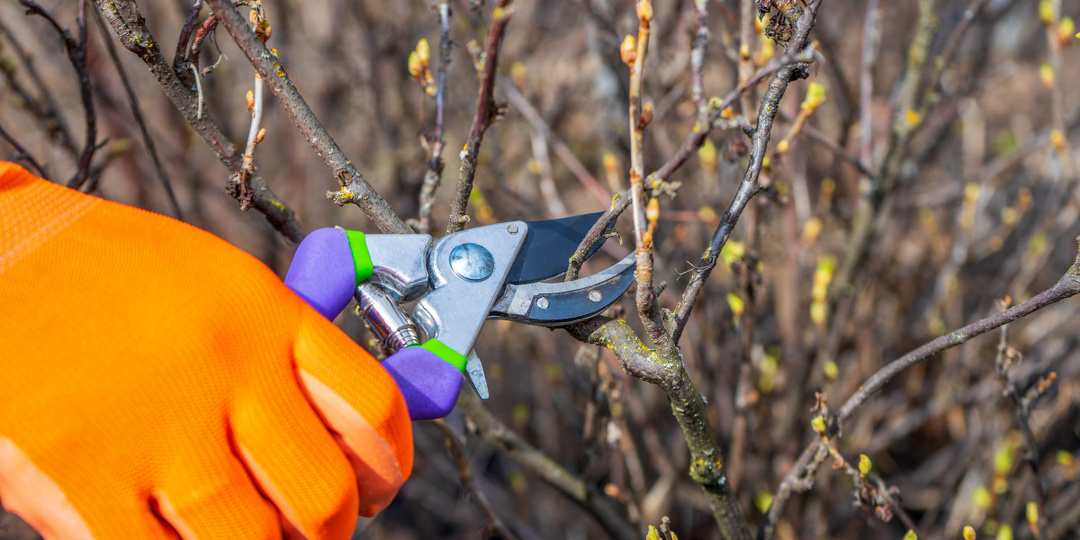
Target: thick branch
x: 706, y: 465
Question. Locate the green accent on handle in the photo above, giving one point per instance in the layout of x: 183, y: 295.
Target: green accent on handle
x: 360, y: 255
x: 441, y: 350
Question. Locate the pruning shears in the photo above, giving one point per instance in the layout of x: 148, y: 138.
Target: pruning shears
x: 457, y: 282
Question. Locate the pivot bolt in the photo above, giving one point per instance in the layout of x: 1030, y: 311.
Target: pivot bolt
x: 472, y: 262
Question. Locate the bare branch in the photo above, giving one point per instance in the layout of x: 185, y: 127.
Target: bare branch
x: 136, y: 111
x: 47, y: 112
x: 433, y: 177
x: 486, y: 113
x: 22, y: 153
x: 76, y: 52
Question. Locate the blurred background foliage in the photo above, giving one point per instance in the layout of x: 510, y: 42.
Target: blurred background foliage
x: 985, y: 206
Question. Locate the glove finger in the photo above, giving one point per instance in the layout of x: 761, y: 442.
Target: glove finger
x: 223, y: 504
x: 296, y: 463
x: 30, y: 493
x: 360, y: 402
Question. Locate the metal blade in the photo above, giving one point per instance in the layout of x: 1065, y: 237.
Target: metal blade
x: 559, y: 304
x: 549, y: 246
x: 475, y: 370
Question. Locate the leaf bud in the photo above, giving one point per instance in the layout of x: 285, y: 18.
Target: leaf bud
x: 416, y: 66
x: 644, y: 11
x: 1031, y: 511
x: 647, y: 114
x: 423, y: 51
x: 628, y: 50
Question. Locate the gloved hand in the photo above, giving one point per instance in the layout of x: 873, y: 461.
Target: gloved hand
x: 154, y: 380
x: 327, y: 267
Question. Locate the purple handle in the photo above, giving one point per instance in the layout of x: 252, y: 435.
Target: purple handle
x: 324, y: 275
x: 323, y: 272
x: 430, y: 384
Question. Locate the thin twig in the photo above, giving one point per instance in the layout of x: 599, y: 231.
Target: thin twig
x: 690, y: 145
x: 697, y: 136
x: 76, y: 52
x: 23, y: 153
x: 486, y: 113
x: 433, y: 176
x: 871, y: 38
x: 1005, y: 359
x: 204, y: 31
x: 644, y: 225
x: 905, y: 120
x: 181, y: 59
x: 522, y: 105
x: 136, y: 111
x: 820, y: 138
x: 47, y: 112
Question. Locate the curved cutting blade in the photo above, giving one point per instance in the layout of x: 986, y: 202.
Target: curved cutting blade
x: 559, y: 304
x: 549, y: 246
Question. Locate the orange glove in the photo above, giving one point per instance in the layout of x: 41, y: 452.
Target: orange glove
x: 156, y: 381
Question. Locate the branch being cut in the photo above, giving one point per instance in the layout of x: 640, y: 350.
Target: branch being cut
x: 486, y: 113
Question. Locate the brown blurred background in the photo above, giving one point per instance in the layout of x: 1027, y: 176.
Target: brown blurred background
x: 985, y: 207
